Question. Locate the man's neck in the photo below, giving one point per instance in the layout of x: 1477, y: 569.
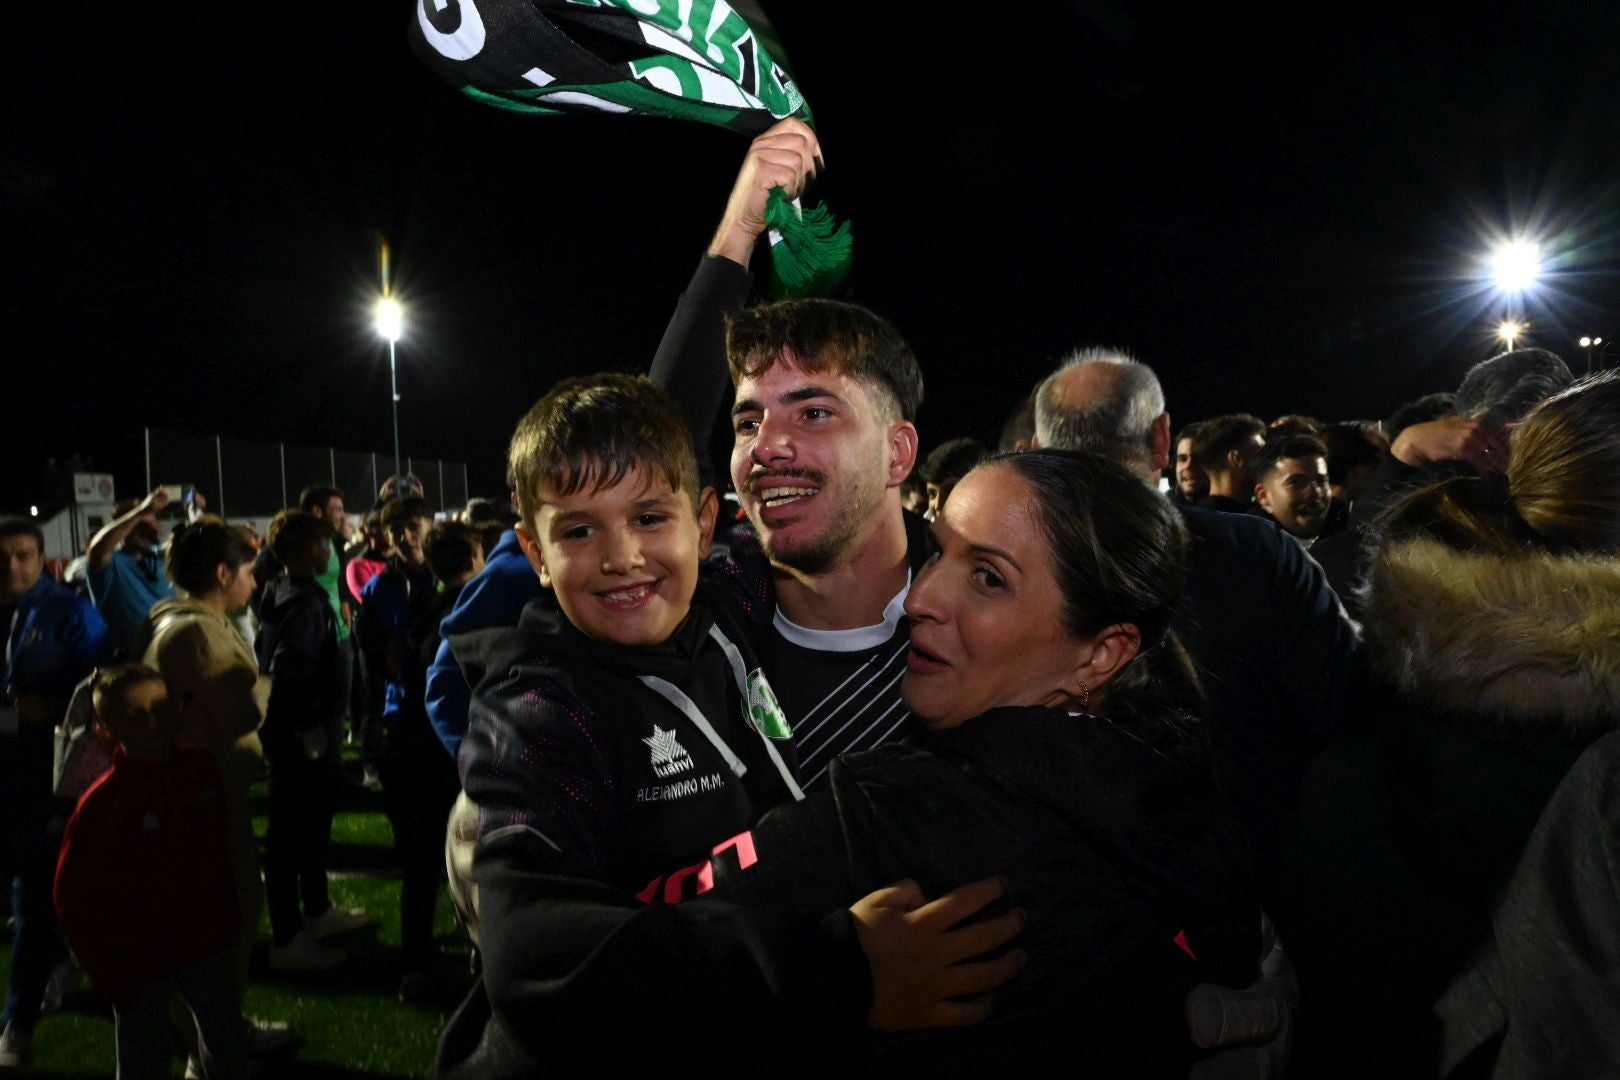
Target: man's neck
x: 855, y: 590
x: 1225, y: 485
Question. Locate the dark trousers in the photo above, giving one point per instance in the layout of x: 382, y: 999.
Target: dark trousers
x: 419, y: 787
x: 31, y: 826
x: 145, y: 1033
x: 302, y: 798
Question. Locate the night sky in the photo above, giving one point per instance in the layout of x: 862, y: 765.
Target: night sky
x: 1279, y: 212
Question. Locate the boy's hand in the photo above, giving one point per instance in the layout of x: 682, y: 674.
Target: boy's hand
x: 918, y: 959
x: 786, y: 156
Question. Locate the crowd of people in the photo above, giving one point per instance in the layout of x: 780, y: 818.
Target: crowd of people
x: 1226, y: 750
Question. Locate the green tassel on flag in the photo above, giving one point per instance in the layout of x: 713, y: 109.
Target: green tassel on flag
x: 810, y: 249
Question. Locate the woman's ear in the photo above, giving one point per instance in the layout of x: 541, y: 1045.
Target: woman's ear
x: 1104, y: 655
x: 708, y: 511
x: 224, y: 575
x: 531, y: 549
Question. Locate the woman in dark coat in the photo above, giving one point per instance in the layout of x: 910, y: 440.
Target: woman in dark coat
x: 1493, y: 635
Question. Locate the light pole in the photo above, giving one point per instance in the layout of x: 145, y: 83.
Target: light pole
x: 1587, y: 343
x: 390, y: 323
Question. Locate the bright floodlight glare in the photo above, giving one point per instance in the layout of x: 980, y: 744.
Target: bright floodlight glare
x: 1508, y: 330
x: 1516, y: 266
x: 390, y: 318
x: 34, y: 510
x: 1586, y: 343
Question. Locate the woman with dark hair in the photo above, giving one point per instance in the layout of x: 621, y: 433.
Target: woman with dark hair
x: 1492, y: 635
x: 193, y: 641
x: 1060, y: 749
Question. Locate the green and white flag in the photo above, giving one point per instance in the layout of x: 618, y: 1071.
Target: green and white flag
x: 702, y: 60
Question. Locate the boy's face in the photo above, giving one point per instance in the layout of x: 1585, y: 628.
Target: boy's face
x: 149, y: 721
x: 408, y: 534
x: 622, y: 561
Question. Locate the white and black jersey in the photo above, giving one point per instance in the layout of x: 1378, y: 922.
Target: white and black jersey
x: 840, y: 689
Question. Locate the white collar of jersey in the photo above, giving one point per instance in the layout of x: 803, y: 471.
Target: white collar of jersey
x: 853, y: 640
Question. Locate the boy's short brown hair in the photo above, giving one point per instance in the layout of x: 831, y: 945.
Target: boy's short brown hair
x: 828, y: 335
x: 401, y: 508
x: 109, y: 687
x: 588, y: 433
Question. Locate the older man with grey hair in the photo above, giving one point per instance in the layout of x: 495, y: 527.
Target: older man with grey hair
x: 1104, y: 401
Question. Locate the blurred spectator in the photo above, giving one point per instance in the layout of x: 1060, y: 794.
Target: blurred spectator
x: 1291, y: 485
x: 126, y: 568
x: 302, y: 737
x: 1225, y: 447
x: 1190, y: 482
x: 53, y: 638
x: 948, y: 463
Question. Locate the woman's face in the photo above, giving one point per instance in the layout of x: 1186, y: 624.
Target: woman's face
x: 238, y: 585
x: 986, y: 610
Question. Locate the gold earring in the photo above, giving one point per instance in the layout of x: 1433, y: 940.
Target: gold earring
x: 1085, y: 697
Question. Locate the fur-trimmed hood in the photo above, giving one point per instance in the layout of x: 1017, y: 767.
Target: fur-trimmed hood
x: 1532, y: 639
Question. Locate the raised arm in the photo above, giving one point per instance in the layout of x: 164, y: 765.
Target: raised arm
x: 115, y: 532
x: 691, y: 358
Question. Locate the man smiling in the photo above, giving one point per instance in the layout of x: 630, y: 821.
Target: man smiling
x: 823, y: 438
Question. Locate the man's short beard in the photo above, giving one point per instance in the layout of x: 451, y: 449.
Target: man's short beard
x: 821, y: 553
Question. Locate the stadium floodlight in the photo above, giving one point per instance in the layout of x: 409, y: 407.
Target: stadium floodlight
x: 1515, y: 266
x: 1510, y: 331
x: 391, y: 325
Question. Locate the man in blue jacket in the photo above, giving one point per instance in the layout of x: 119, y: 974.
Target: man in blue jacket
x: 53, y: 638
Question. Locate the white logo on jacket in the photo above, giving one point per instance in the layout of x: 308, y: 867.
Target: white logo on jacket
x: 668, y: 755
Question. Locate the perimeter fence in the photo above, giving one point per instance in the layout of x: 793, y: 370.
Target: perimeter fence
x: 241, y: 478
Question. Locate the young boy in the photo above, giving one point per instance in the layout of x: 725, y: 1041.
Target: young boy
x: 630, y: 735
x: 302, y: 736
x: 418, y: 778
x: 144, y: 888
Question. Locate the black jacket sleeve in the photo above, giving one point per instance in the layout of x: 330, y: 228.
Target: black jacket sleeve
x: 691, y: 358
x: 572, y: 964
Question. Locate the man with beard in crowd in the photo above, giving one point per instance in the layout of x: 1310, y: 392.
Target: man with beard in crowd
x: 1291, y: 485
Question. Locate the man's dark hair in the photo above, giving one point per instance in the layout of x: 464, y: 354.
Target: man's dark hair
x: 403, y: 509
x: 827, y: 335
x: 952, y: 460
x: 450, y: 547
x: 1188, y: 431
x: 588, y: 433
x: 1224, y: 434
x: 314, y: 498
x: 1426, y: 408
x: 1504, y: 388
x: 292, y: 533
x: 1277, y: 451
x: 16, y: 525
x: 913, y: 485
x: 1293, y: 424
x: 1019, y: 428
x: 1348, y: 446
x: 483, y: 511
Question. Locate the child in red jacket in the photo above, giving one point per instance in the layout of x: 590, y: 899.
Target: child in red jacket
x: 144, y: 889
